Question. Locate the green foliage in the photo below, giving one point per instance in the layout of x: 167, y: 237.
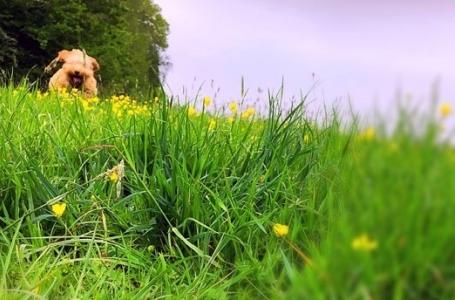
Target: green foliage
x: 198, y: 201
x: 32, y: 32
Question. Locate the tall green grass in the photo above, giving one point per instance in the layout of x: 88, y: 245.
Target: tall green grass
x: 197, y: 204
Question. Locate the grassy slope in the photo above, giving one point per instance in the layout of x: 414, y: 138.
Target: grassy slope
x: 195, y: 216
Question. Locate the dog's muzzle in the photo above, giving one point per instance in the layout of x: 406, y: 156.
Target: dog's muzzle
x: 76, y: 80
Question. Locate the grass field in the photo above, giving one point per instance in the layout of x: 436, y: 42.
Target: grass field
x: 116, y: 199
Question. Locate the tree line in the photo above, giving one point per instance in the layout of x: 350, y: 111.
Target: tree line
x: 127, y: 37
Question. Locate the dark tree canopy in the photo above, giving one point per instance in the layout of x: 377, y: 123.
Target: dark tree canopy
x: 127, y: 37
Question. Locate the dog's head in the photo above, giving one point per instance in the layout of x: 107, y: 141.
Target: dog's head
x: 77, y: 73
x: 73, y: 57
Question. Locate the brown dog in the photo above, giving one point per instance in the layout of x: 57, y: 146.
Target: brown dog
x: 77, y: 72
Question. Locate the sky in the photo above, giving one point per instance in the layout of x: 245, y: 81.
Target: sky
x: 352, y: 52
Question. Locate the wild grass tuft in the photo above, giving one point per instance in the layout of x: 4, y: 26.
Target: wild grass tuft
x: 138, y: 200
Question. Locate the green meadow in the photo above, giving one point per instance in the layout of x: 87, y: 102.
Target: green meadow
x: 130, y: 199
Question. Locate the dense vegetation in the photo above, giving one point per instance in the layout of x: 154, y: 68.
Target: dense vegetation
x: 120, y: 199
x: 126, y: 36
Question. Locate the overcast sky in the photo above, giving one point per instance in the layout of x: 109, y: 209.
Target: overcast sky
x: 362, y: 50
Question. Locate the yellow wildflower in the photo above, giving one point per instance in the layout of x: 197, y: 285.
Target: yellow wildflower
x: 86, y: 105
x: 248, y: 113
x: 113, y: 176
x: 192, y: 112
x: 231, y: 120
x: 62, y: 91
x: 41, y: 95
x: 212, y: 124
x: 58, y: 209
x: 280, y: 230
x: 364, y: 243
x: 368, y: 135
x: 445, y: 109
x: 233, y: 107
x: 116, y: 173
x: 93, y: 100
x: 207, y: 101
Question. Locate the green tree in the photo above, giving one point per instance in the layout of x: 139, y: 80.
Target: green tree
x: 126, y: 37
x: 149, y: 34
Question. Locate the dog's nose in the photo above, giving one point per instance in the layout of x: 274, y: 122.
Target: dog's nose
x: 77, y: 73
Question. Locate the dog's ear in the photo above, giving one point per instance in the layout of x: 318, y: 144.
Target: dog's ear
x: 95, y: 65
x: 63, y: 55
